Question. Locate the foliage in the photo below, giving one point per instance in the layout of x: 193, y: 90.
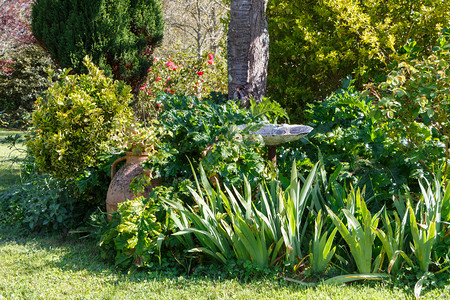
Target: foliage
x: 393, y: 240
x: 423, y: 238
x: 43, y: 204
x: 426, y: 220
x: 73, y: 120
x: 135, y: 235
x: 120, y: 36
x: 321, y: 253
x: 359, y: 235
x: 232, y: 226
x: 24, y: 79
x: 351, y: 141
x: 414, y: 104
x: 206, y: 130
x: 316, y: 44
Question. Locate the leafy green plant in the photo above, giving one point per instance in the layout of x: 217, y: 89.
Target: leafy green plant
x: 293, y: 204
x: 205, y: 130
x: 359, y: 236
x: 413, y: 104
x: 73, y: 120
x: 231, y: 226
x: 320, y: 251
x: 424, y: 238
x: 136, y: 233
x: 225, y: 226
x: 393, y: 240
x: 42, y: 203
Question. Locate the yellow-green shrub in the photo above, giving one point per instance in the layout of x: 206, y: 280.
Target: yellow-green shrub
x: 316, y: 44
x: 73, y: 119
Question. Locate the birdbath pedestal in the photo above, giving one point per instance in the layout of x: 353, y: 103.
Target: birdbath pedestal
x: 275, y: 134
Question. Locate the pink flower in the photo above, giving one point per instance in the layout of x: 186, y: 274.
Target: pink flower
x: 211, y: 57
x: 175, y: 68
x: 143, y: 87
x: 210, y: 62
x: 200, y: 73
x: 158, y: 79
x: 170, y: 64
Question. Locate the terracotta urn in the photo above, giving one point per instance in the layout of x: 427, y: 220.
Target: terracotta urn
x: 119, y: 188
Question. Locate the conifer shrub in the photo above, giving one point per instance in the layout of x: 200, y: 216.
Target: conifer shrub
x: 118, y: 35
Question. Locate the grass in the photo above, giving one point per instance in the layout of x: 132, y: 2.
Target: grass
x: 37, y: 266
x: 50, y: 267
x: 9, y: 160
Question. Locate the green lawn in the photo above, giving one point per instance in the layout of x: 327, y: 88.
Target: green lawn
x: 50, y: 267
x: 36, y: 266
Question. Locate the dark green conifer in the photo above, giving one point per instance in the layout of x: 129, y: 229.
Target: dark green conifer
x: 119, y: 35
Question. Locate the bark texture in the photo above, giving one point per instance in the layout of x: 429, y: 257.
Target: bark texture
x: 248, y: 50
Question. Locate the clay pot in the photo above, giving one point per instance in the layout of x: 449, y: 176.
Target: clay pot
x: 119, y: 188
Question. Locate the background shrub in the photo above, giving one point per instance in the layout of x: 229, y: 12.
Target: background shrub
x: 120, y: 36
x: 23, y: 80
x: 74, y: 119
x: 316, y: 44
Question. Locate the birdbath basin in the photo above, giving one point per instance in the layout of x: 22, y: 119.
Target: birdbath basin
x: 275, y: 134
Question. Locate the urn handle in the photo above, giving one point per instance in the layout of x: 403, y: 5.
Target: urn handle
x: 113, y: 166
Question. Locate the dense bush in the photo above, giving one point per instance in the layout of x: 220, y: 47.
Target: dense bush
x: 413, y: 103
x: 316, y: 44
x: 23, y: 79
x: 206, y: 130
x: 119, y: 35
x: 74, y: 119
x: 42, y: 203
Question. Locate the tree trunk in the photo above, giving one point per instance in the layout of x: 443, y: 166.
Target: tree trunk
x: 248, y: 50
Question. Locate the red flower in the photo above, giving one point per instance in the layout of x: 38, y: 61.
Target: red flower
x: 211, y: 57
x: 210, y: 62
x: 172, y: 91
x: 200, y: 73
x: 170, y: 64
x: 149, y: 93
x: 158, y: 79
x: 175, y: 68
x: 143, y: 87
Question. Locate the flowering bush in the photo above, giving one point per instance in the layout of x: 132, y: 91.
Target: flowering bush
x: 183, y: 75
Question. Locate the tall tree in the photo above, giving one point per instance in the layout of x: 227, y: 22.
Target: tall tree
x: 248, y: 50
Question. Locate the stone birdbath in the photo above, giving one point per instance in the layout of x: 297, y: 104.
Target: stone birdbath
x: 275, y: 134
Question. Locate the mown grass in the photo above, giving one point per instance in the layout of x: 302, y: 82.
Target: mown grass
x: 37, y: 266
x: 9, y: 160
x: 34, y: 266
